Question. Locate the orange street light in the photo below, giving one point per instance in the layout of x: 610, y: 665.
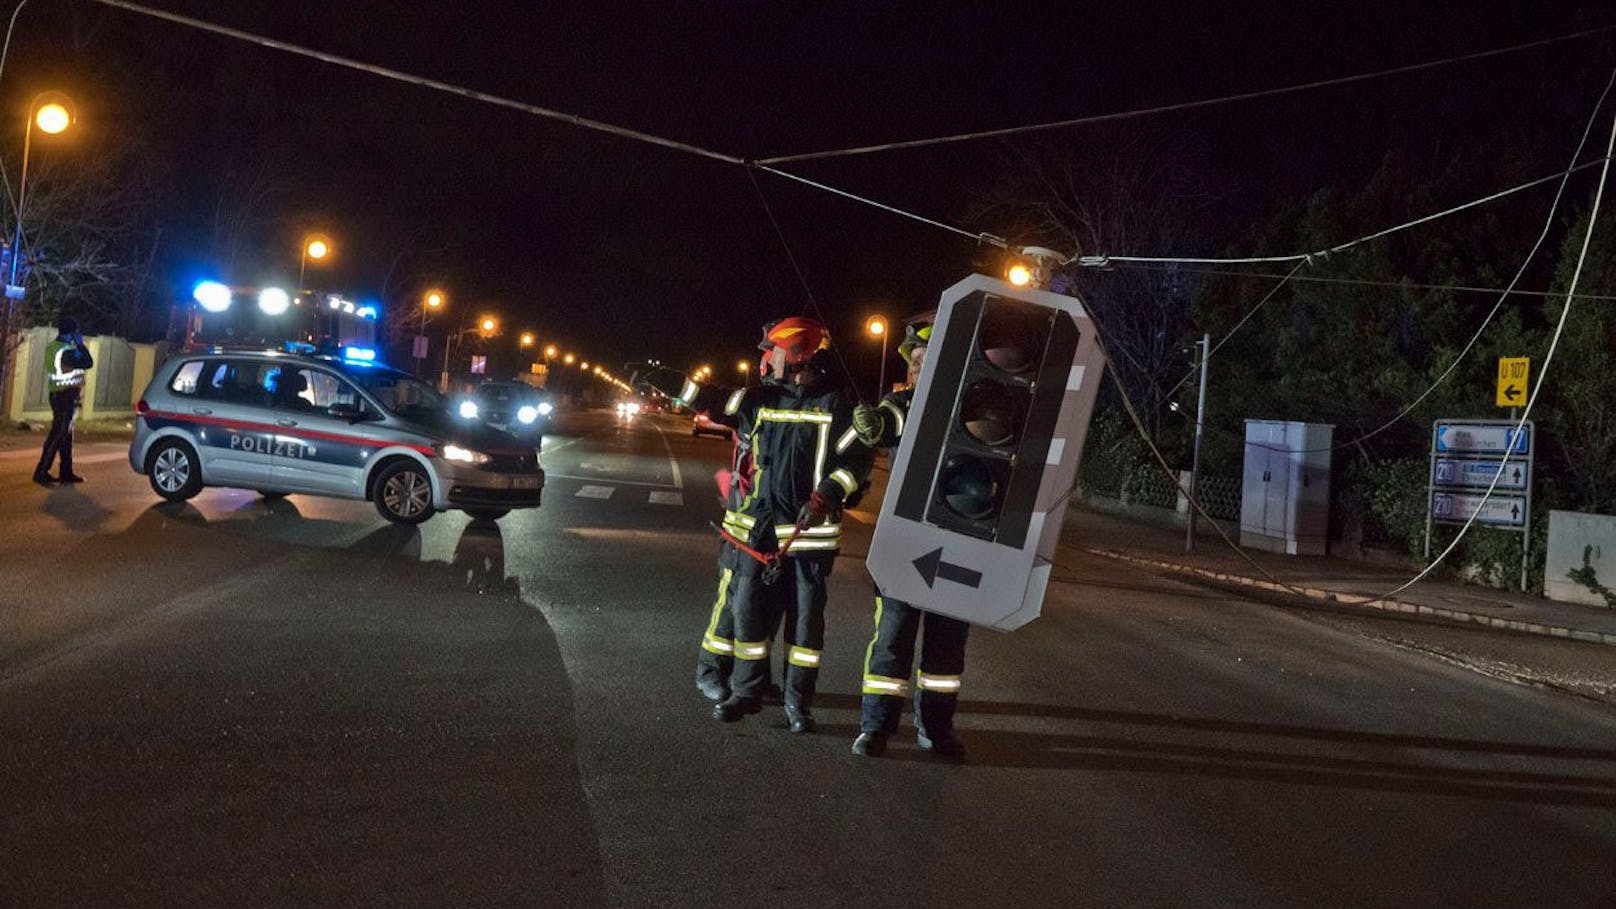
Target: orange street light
x: 527, y: 339
x: 488, y: 324
x: 568, y: 359
x: 53, y: 113
x: 1019, y: 275
x: 434, y: 299
x: 550, y: 352
x: 316, y: 247
x: 876, y: 326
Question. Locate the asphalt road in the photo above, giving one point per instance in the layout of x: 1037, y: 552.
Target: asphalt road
x: 235, y: 702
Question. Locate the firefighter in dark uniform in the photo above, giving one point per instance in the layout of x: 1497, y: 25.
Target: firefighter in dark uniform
x: 66, y: 360
x: 716, y: 659
x: 891, y: 653
x: 786, y: 529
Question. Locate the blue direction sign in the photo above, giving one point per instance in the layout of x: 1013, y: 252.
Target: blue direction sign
x: 1479, y: 474
x: 1497, y: 510
x: 1483, y: 438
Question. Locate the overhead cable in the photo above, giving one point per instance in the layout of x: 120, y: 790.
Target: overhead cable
x: 1104, y: 260
x: 1361, y: 282
x: 520, y: 106
x: 1503, y: 295
x: 1167, y: 108
x: 1543, y: 374
x: 423, y: 82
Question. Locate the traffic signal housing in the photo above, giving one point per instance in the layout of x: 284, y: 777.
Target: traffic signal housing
x: 988, y: 454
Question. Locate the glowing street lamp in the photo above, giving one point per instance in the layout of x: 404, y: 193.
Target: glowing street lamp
x: 52, y: 112
x: 487, y: 325
x: 583, y: 364
x: 316, y: 247
x: 527, y: 339
x: 569, y: 359
x: 876, y: 327
x: 550, y: 352
x: 433, y: 300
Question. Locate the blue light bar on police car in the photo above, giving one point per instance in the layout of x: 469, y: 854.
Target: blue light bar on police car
x: 212, y: 296
x: 366, y: 312
x: 362, y: 354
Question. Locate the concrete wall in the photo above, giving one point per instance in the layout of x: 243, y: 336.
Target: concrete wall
x: 122, y: 372
x: 1578, y: 540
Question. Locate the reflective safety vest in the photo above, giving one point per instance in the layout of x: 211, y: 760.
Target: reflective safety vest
x: 62, y: 369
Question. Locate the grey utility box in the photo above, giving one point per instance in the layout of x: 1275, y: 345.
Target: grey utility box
x: 1285, y: 492
x: 1578, y: 541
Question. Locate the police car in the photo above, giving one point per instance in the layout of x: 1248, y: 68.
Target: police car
x: 284, y: 422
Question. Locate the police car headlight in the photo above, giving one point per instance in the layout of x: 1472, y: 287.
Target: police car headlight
x: 545, y: 408
x: 464, y: 455
x: 527, y: 414
x: 468, y: 410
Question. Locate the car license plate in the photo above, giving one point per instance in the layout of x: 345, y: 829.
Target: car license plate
x: 525, y: 483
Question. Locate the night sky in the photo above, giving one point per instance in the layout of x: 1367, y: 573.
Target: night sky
x: 626, y: 251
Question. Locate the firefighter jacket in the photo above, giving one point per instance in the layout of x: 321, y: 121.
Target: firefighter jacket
x: 801, y: 441
x: 65, y: 363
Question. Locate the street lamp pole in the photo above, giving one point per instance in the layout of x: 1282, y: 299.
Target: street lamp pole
x: 1195, y: 462
x: 53, y: 116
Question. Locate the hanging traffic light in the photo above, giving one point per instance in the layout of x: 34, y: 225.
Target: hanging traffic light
x: 973, y: 510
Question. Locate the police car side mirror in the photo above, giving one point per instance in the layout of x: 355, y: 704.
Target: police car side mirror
x: 345, y: 412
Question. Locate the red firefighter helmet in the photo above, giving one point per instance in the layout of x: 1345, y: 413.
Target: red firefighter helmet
x: 798, y: 336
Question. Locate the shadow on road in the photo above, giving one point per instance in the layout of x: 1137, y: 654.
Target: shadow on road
x: 1393, y: 773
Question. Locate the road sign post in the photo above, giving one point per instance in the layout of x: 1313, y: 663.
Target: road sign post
x: 1481, y: 471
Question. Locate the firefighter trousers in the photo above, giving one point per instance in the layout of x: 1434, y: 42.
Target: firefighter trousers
x: 798, y: 595
x: 715, y: 662
x: 890, y: 656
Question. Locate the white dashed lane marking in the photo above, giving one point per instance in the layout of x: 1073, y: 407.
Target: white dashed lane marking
x: 667, y: 498
x: 595, y: 492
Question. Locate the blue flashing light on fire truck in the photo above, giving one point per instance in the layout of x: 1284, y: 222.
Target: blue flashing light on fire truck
x: 269, y: 317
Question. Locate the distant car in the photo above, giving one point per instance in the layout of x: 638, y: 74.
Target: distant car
x: 513, y: 407
x: 701, y: 426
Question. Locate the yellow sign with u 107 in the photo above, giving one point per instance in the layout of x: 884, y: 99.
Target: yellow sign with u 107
x: 1514, y: 374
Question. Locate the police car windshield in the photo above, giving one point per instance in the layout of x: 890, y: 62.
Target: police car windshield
x: 402, y: 394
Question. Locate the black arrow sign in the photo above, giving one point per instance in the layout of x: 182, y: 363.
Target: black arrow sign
x: 1511, y: 392
x: 931, y: 567
x: 1517, y: 474
x: 1514, y: 512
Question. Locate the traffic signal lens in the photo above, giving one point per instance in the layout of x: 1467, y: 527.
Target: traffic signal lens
x: 992, y: 414
x: 968, y: 487
x: 1012, y: 337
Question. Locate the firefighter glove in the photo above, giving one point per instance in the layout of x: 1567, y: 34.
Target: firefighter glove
x: 814, y: 511
x: 868, y: 423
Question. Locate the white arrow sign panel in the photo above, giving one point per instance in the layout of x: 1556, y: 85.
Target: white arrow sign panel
x: 1457, y: 507
x: 1483, y: 438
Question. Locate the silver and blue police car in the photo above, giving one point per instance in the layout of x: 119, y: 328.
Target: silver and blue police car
x: 292, y: 422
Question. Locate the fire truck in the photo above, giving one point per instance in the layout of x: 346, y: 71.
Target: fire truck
x: 220, y: 315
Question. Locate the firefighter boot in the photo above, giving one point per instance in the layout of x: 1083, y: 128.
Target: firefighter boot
x: 870, y: 744
x: 733, y: 708
x: 799, y: 719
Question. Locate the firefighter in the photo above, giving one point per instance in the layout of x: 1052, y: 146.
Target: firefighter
x: 66, y: 360
x: 785, y: 530
x: 891, y: 653
x: 716, y: 659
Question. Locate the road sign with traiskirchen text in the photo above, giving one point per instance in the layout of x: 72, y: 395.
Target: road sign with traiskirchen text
x: 1514, y: 373
x: 1481, y: 471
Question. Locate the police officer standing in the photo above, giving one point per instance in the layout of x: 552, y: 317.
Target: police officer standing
x: 66, y: 360
x: 891, y: 653
x: 785, y: 531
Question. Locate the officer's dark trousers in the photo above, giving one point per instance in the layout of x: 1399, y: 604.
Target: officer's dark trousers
x: 798, y: 595
x: 890, y: 657
x: 59, y: 441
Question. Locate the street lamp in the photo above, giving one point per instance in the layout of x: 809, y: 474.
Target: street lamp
x: 569, y: 359
x: 550, y: 352
x: 487, y: 325
x: 745, y: 369
x: 527, y: 339
x: 316, y: 247
x: 53, y: 113
x: 877, y: 328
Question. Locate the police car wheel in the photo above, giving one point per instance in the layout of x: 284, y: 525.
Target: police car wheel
x: 487, y: 514
x: 404, y: 493
x: 174, y: 471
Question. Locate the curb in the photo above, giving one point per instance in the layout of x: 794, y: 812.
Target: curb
x: 1383, y: 604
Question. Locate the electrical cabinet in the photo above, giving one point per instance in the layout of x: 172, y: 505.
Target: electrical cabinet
x: 1285, y: 489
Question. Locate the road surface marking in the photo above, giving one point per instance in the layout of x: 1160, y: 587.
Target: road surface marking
x: 595, y: 492
x: 667, y: 498
x: 567, y: 476
x: 678, y: 481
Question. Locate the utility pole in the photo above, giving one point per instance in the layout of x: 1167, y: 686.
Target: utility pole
x: 1195, y: 463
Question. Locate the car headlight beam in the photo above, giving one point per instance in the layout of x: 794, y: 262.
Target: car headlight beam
x: 527, y: 414
x: 467, y: 410
x: 465, y: 455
